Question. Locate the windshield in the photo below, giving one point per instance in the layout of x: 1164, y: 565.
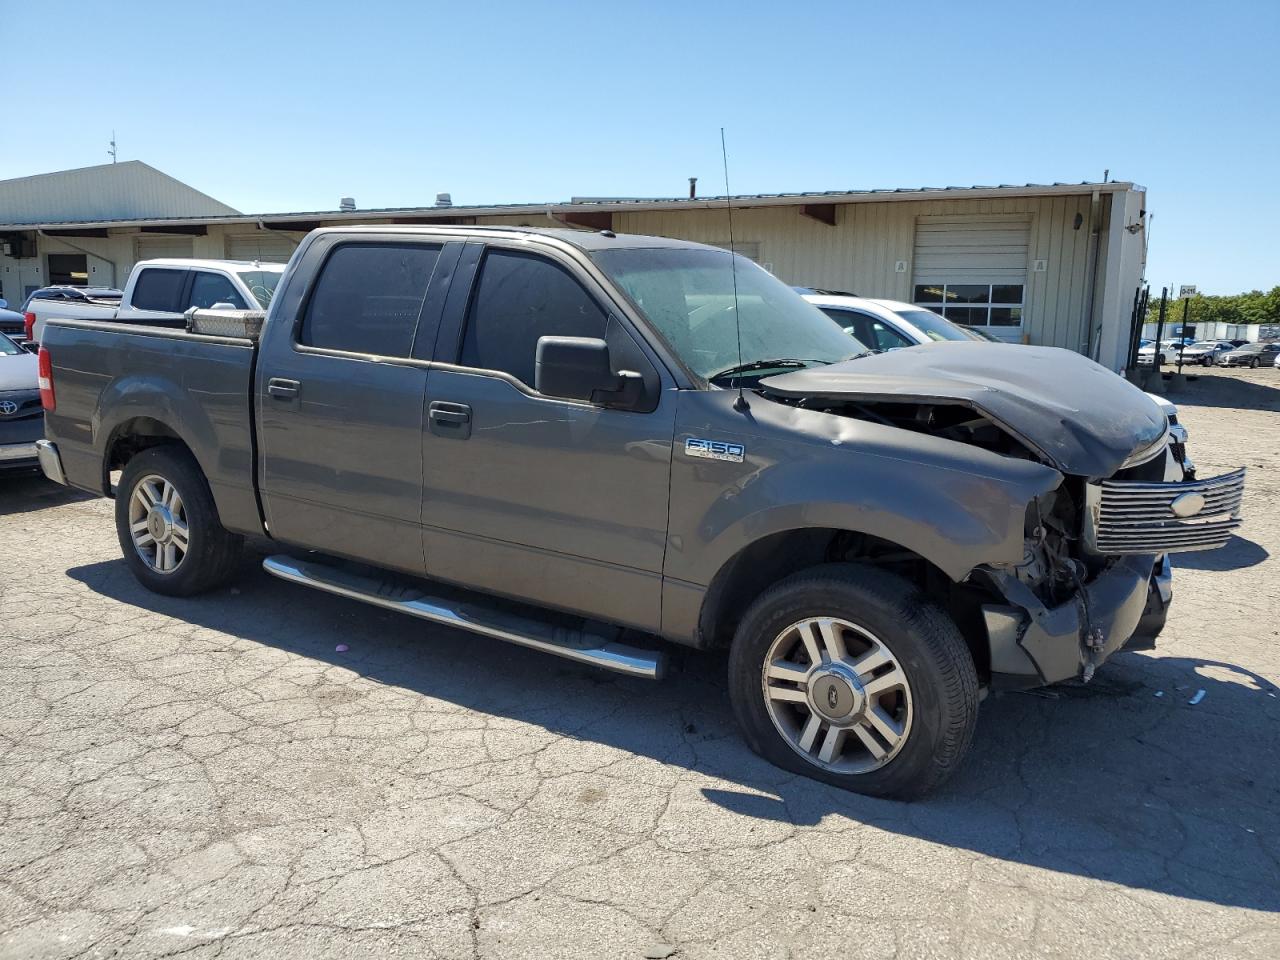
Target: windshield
x: 8, y: 348
x: 687, y: 294
x: 262, y: 284
x: 935, y: 327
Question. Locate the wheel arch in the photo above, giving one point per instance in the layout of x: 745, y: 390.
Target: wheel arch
x: 777, y: 555
x: 130, y: 437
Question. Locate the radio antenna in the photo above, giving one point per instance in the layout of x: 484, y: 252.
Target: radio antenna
x: 739, y: 404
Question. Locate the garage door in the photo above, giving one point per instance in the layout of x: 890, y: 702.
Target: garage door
x: 974, y: 271
x: 153, y: 248
x: 267, y: 247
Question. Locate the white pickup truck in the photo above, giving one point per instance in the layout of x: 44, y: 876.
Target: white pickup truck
x: 159, y: 293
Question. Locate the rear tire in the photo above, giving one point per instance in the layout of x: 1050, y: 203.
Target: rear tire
x: 168, y: 525
x: 889, y: 707
x: 1253, y: 364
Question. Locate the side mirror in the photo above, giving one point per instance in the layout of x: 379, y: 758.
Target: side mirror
x: 578, y: 368
x: 3, y: 303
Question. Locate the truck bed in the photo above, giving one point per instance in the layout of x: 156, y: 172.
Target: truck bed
x: 110, y: 378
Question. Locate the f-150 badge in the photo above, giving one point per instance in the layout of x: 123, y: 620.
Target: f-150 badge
x: 714, y: 450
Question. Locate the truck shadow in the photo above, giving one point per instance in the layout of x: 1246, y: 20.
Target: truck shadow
x: 1123, y: 780
x: 1236, y: 555
x: 26, y: 491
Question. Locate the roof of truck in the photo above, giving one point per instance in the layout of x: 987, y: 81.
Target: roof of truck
x: 588, y: 240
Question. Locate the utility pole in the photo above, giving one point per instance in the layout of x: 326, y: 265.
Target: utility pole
x: 112, y: 148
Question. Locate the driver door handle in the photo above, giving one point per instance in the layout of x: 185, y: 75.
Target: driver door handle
x: 452, y: 420
x: 283, y: 389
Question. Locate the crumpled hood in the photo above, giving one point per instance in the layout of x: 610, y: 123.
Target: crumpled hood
x: 1084, y: 419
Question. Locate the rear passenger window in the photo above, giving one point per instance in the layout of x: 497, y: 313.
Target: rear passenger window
x: 520, y: 298
x: 368, y: 298
x: 157, y: 289
x: 210, y: 288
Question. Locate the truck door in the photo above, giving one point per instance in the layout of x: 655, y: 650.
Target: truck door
x: 340, y: 399
x: 556, y: 501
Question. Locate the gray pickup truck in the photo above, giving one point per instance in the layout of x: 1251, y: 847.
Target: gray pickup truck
x: 588, y: 443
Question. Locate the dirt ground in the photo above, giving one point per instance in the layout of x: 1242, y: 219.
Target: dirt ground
x: 210, y: 777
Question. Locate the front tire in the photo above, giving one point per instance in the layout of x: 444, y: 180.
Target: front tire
x: 168, y: 525
x: 854, y: 677
x: 1253, y: 364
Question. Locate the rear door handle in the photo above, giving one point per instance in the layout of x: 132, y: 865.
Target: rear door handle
x: 283, y: 389
x: 451, y: 420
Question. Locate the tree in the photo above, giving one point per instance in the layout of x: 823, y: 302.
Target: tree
x: 1252, y: 307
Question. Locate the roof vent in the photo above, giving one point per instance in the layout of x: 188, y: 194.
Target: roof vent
x: 444, y: 200
x: 347, y: 204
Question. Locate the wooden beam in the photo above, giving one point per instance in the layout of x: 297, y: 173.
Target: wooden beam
x: 299, y: 226
x: 430, y: 221
x: 100, y: 233
x: 822, y: 212
x: 591, y: 219
x: 190, y: 230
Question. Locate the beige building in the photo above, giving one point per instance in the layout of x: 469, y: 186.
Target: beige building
x: 1055, y: 264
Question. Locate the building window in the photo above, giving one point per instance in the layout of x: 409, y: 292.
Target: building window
x: 68, y: 269
x: 974, y: 304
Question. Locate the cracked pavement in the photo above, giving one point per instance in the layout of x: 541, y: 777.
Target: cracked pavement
x: 210, y: 778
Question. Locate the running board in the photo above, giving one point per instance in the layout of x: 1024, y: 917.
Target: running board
x: 580, y: 645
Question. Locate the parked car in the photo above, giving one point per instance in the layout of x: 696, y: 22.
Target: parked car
x: 1238, y: 343
x: 107, y: 297
x: 159, y: 292
x: 21, y: 416
x: 887, y: 324
x: 890, y: 324
x: 638, y: 438
x: 1169, y: 350
x: 11, y: 322
x: 1206, y: 352
x: 1251, y: 355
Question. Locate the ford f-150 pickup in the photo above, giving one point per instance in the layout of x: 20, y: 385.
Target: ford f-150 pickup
x: 590, y: 443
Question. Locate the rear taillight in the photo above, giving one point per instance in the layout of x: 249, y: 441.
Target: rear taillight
x: 44, y: 377
x: 29, y: 325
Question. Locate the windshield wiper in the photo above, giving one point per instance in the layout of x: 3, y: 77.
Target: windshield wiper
x: 783, y: 362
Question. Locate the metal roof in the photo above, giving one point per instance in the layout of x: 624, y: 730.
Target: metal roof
x: 604, y: 205
x: 104, y: 192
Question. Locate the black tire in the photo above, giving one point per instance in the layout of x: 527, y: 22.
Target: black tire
x: 212, y: 552
x: 921, y: 636
x: 1253, y: 364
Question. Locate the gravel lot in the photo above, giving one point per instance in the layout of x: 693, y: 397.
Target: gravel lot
x: 210, y: 778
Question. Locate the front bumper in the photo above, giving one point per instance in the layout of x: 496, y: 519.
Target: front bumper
x: 1033, y: 645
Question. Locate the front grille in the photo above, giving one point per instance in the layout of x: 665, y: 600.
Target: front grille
x: 1126, y: 517
x: 26, y: 404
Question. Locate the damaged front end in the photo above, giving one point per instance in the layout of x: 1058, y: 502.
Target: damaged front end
x: 1094, y: 575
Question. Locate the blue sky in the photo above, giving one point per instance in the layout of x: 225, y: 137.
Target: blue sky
x: 273, y: 106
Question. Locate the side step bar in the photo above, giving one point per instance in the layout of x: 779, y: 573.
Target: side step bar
x: 580, y: 645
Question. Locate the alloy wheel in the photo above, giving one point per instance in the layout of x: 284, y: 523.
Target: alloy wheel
x: 837, y: 695
x: 158, y: 524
